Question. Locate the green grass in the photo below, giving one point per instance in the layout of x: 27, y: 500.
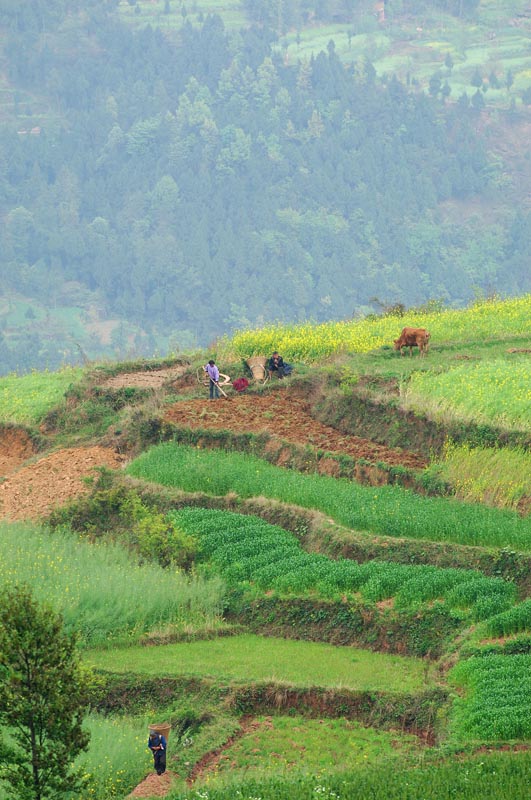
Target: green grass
x: 26, y: 399
x: 387, y: 510
x: 117, y: 758
x: 497, y: 776
x: 496, y: 699
x: 496, y: 393
x: 498, y: 476
x: 252, y: 658
x: 100, y: 590
x: 280, y: 745
x: 309, y: 343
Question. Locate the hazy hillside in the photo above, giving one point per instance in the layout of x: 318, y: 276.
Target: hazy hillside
x: 171, y: 173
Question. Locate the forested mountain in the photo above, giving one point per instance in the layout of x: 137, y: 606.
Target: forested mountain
x: 194, y: 183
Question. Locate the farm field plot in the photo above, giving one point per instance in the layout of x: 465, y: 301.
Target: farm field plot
x: 254, y: 658
x: 387, y: 510
x: 285, y: 414
x: 496, y: 393
x: 36, y: 488
x: 296, y: 744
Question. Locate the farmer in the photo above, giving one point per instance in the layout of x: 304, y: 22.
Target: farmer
x: 157, y: 745
x: 213, y: 373
x: 276, y: 364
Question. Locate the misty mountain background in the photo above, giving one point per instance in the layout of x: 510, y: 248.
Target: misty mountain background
x: 169, y: 175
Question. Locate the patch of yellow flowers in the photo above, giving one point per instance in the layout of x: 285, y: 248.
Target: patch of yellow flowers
x: 309, y: 342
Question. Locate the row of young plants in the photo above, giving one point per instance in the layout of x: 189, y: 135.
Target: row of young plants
x: 497, y: 699
x: 249, y: 549
x: 386, y: 510
x: 515, y: 620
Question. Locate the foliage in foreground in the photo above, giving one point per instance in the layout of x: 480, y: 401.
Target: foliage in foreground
x: 101, y: 591
x: 387, y: 510
x: 43, y: 699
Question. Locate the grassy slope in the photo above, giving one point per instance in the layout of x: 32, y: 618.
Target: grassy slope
x: 254, y: 658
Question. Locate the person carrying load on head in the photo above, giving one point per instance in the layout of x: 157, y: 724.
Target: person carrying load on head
x: 157, y: 745
x: 213, y: 374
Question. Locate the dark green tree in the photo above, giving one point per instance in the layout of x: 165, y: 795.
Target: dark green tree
x: 43, y: 699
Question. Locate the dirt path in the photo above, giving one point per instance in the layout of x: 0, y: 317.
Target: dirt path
x: 286, y: 415
x: 154, y: 785
x: 36, y: 488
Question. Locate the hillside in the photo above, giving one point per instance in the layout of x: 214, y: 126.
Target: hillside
x: 313, y: 163
x: 326, y: 575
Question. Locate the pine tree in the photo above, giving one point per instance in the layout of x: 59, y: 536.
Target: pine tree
x: 42, y: 700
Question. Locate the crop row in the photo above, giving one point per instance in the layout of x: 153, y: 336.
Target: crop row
x: 309, y: 343
x: 386, y: 510
x: 514, y: 620
x: 248, y: 549
x: 498, y: 697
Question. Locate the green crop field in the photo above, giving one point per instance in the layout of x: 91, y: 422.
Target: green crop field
x: 470, y: 470
x: 254, y: 658
x: 248, y: 549
x: 25, y: 399
x: 284, y: 745
x: 387, y: 510
x: 497, y: 393
x: 99, y: 589
x: 309, y: 343
x: 240, y: 660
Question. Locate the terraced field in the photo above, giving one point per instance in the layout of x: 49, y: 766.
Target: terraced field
x: 305, y: 635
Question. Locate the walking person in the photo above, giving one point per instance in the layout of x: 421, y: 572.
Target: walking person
x: 157, y: 745
x: 213, y: 374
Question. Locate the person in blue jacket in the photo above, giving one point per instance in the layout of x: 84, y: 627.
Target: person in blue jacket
x: 157, y: 745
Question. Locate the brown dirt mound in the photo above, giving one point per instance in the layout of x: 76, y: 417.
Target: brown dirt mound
x: 154, y: 785
x: 35, y: 489
x: 15, y: 448
x: 287, y: 415
x: 151, y: 379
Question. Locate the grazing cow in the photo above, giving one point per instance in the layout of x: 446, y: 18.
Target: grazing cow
x: 413, y: 337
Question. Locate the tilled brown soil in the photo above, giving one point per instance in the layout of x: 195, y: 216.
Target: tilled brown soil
x: 15, y: 447
x: 37, y: 487
x: 151, y: 379
x: 154, y: 785
x: 286, y: 415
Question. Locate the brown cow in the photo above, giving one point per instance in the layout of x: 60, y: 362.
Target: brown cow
x: 413, y: 337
